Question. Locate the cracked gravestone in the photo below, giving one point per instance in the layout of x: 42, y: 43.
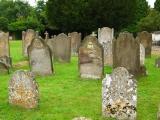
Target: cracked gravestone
x: 119, y: 95
x: 91, y: 58
x: 23, y: 90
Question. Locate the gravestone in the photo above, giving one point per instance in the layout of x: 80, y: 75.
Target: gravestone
x: 146, y: 40
x: 126, y: 53
x: 75, y: 42
x: 91, y: 58
x: 40, y: 58
x: 105, y: 38
x: 142, y: 55
x: 23, y: 90
x: 62, y: 51
x: 4, y: 44
x: 157, y: 62
x: 5, y: 64
x: 119, y: 95
x: 27, y: 38
x: 46, y: 35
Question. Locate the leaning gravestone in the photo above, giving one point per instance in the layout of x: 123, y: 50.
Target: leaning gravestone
x: 142, y: 55
x: 27, y: 38
x: 5, y: 59
x: 62, y: 51
x: 23, y: 90
x: 146, y: 40
x: 91, y: 58
x: 105, y: 37
x: 40, y: 59
x: 75, y: 42
x: 126, y: 53
x: 119, y: 95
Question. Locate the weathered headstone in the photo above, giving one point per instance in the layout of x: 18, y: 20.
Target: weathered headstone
x: 75, y: 42
x: 105, y: 38
x: 157, y: 62
x: 119, y: 95
x: 142, y: 55
x: 23, y: 90
x: 27, y: 38
x: 62, y: 51
x: 91, y: 58
x: 40, y: 59
x: 46, y: 35
x: 126, y: 53
x: 4, y: 44
x: 5, y: 64
x: 146, y: 40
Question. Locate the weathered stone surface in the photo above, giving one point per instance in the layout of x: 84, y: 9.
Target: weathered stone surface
x: 157, y: 62
x: 81, y: 118
x: 62, y: 51
x: 5, y: 64
x: 52, y: 45
x: 4, y: 44
x: 27, y: 38
x: 91, y: 58
x: 126, y: 53
x: 142, y: 55
x: 23, y: 90
x: 40, y: 58
x: 75, y: 42
x: 119, y: 95
x: 105, y: 38
x: 146, y: 40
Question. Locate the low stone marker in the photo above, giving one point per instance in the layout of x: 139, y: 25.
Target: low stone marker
x: 157, y: 62
x: 119, y: 95
x: 126, y: 53
x: 40, y: 57
x: 27, y: 38
x: 91, y: 58
x: 23, y: 90
x: 146, y: 40
x: 75, y: 42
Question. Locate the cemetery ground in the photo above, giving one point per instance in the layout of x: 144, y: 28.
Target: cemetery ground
x: 64, y: 95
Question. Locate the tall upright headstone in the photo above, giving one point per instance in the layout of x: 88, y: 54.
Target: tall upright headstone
x: 91, y: 58
x: 142, y: 55
x: 75, y: 42
x: 126, y: 53
x: 146, y: 40
x: 62, y: 51
x: 27, y: 38
x: 105, y: 38
x: 119, y: 95
x: 23, y: 90
x: 40, y: 58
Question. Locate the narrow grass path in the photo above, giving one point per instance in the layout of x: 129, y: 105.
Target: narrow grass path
x: 64, y: 95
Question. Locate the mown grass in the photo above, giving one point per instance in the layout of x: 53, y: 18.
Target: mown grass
x: 64, y: 95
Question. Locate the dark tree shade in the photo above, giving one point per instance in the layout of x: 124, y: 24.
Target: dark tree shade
x: 157, y: 5
x: 88, y: 15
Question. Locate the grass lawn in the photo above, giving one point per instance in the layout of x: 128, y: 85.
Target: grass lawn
x: 64, y: 95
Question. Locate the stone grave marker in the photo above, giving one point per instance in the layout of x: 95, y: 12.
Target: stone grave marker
x: 27, y: 38
x: 23, y: 90
x: 126, y: 53
x: 119, y: 95
x: 75, y: 42
x: 91, y: 58
x: 62, y: 51
x: 142, y: 55
x: 146, y: 40
x: 105, y: 38
x: 40, y: 58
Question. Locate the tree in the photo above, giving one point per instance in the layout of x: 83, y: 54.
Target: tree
x: 88, y: 15
x: 157, y: 5
x: 3, y: 24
